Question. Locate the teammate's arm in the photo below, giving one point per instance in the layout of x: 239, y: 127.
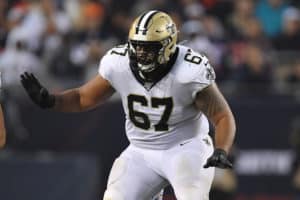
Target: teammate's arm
x: 83, y: 98
x: 2, y: 129
x: 212, y: 103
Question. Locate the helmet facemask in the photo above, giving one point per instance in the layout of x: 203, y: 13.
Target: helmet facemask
x: 145, y: 54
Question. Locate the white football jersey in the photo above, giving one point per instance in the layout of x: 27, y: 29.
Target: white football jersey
x: 165, y: 114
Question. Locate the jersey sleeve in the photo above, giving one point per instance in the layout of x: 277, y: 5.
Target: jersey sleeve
x: 106, y: 67
x: 203, y: 78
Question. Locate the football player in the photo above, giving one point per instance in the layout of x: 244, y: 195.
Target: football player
x: 168, y: 91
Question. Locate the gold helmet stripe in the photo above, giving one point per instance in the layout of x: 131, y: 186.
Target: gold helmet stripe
x: 144, y: 21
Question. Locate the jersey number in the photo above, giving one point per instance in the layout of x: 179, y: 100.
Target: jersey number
x: 141, y: 119
x: 192, y: 58
x: 120, y: 50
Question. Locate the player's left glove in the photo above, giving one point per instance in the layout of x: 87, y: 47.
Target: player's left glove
x: 38, y: 94
x: 218, y: 159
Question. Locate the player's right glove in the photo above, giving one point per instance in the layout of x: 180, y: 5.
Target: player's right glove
x: 38, y: 94
x: 218, y: 159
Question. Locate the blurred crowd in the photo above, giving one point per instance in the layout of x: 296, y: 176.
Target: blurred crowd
x: 250, y: 43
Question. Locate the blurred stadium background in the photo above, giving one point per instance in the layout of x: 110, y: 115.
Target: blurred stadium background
x: 253, y: 45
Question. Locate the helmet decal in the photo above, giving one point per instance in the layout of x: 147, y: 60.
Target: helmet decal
x: 144, y: 22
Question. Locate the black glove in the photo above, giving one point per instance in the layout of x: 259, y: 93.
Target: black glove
x: 36, y: 91
x: 218, y: 159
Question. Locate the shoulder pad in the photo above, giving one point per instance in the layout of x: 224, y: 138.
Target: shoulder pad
x: 194, y: 67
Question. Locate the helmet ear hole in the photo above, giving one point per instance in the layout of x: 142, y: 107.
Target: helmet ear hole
x: 168, y: 49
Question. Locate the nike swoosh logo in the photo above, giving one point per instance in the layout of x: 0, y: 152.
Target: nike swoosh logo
x: 181, y: 144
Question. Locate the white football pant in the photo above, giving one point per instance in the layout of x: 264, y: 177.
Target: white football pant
x: 140, y: 174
